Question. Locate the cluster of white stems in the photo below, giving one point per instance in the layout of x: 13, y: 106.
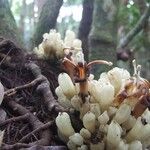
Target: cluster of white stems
x: 104, y: 117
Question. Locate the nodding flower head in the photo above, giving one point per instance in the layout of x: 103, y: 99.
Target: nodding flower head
x: 79, y: 58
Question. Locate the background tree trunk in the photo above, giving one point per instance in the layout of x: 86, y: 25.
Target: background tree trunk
x: 8, y: 27
x: 103, y: 36
x: 47, y: 19
x: 146, y: 43
x: 85, y: 26
x: 22, y: 18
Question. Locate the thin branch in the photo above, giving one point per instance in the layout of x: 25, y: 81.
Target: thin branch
x: 31, y: 146
x: 28, y: 85
x: 138, y: 27
x: 14, y: 119
x: 5, y: 57
x: 15, y: 146
x: 43, y: 127
x: 45, y: 136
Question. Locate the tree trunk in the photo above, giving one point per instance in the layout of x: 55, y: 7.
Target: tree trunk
x: 103, y: 36
x: 47, y: 20
x: 85, y: 26
x: 8, y: 27
x: 145, y: 53
x: 22, y: 18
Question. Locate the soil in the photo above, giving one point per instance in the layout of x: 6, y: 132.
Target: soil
x: 29, y: 107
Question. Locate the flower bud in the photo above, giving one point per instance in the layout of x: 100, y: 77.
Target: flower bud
x: 103, y: 118
x: 123, y: 113
x: 75, y: 101
x: 129, y: 123
x: 135, y: 132
x: 122, y: 146
x: 112, y: 111
x: 94, y: 90
x: 106, y: 95
x: 135, y: 145
x: 89, y: 121
x: 85, y: 133
x: 113, y: 135
x: 69, y: 38
x: 77, y: 139
x: 63, y: 123
x: 77, y: 44
x: 71, y: 145
x: 66, y: 85
x: 116, y: 76
x: 95, y: 109
x: 59, y: 92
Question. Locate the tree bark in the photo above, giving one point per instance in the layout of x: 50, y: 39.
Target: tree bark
x: 8, y: 27
x: 22, y: 18
x: 48, y: 19
x: 103, y: 36
x: 85, y: 26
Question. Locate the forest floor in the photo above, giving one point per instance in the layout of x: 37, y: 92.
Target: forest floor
x: 29, y: 107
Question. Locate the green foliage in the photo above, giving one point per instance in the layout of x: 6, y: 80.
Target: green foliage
x: 128, y: 15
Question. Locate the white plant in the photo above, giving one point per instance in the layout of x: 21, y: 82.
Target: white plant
x: 89, y: 121
x: 103, y: 118
x: 123, y: 113
x: 66, y: 85
x: 85, y: 133
x: 77, y: 139
x: 113, y: 109
x: 113, y: 135
x: 106, y: 95
x: 63, y: 123
x: 1, y: 92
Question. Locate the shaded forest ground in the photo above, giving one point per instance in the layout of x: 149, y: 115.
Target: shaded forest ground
x: 29, y: 106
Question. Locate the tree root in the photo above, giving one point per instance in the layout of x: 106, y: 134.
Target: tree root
x: 45, y: 136
x: 17, y: 71
x: 14, y: 119
x: 44, y: 90
x: 45, y: 126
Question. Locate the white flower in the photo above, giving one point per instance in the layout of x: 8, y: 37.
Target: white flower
x: 66, y: 85
x: 63, y: 123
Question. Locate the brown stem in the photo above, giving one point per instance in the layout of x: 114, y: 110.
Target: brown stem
x: 99, y: 62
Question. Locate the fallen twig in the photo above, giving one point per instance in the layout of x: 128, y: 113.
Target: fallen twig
x: 45, y: 136
x: 45, y: 126
x: 28, y: 85
x: 14, y: 119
